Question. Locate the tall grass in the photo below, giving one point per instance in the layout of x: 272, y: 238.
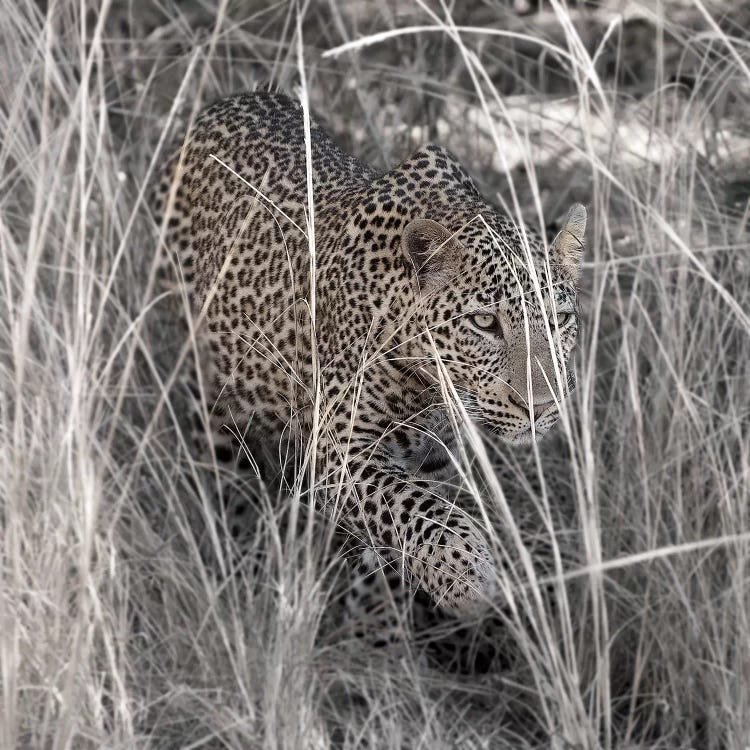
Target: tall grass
x: 115, y: 628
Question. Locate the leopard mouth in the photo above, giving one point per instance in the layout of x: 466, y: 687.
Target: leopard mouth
x: 515, y: 426
x: 530, y: 429
x: 526, y: 435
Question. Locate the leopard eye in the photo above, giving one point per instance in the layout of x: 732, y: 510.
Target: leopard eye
x: 564, y: 319
x: 484, y: 321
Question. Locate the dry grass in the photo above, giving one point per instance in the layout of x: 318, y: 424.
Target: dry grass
x: 114, y: 632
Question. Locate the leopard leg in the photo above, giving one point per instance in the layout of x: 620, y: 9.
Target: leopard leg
x: 376, y: 604
x: 384, y: 613
x: 434, y: 544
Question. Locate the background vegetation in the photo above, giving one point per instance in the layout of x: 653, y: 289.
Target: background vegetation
x: 114, y: 630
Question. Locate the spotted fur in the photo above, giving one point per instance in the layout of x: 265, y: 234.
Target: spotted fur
x: 423, y: 291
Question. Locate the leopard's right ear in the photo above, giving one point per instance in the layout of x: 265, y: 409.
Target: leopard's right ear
x: 431, y: 250
x: 567, y: 248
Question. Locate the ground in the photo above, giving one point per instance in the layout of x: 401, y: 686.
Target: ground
x: 124, y: 626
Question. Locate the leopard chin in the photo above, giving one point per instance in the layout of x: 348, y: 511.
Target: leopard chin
x: 523, y: 435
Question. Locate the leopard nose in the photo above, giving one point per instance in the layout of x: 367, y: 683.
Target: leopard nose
x: 516, y: 401
x: 539, y: 409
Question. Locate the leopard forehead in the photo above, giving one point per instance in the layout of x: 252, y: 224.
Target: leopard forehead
x: 496, y: 253
x: 498, y: 263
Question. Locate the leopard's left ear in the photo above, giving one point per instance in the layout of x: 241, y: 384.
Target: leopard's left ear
x: 566, y: 249
x: 431, y: 250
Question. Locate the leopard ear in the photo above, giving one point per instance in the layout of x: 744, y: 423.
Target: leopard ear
x: 567, y: 248
x: 431, y: 250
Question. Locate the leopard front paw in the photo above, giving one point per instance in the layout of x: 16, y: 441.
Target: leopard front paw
x: 455, y: 566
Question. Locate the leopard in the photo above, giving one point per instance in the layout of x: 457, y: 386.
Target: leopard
x: 367, y: 319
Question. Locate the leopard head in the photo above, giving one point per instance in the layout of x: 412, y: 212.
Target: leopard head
x: 496, y: 315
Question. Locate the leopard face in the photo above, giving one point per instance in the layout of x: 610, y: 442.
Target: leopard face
x: 503, y: 333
